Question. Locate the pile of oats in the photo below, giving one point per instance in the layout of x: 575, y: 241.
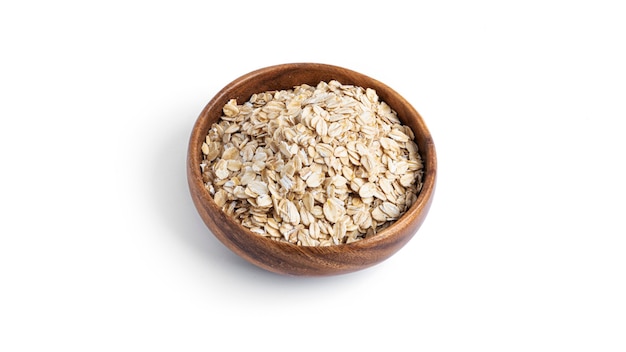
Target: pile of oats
x: 313, y: 166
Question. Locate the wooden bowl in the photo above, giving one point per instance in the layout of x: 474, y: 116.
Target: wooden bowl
x: 291, y: 259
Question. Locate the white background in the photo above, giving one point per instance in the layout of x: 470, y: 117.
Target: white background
x: 524, y: 248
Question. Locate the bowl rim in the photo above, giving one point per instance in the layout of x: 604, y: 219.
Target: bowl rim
x: 419, y: 208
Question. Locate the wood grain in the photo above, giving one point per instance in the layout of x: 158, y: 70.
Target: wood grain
x: 290, y: 259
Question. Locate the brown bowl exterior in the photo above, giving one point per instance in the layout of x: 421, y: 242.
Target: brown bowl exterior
x: 290, y: 259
